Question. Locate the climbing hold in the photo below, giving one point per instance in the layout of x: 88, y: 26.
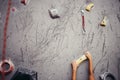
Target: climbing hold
x: 3, y: 65
x: 83, y: 20
x: 25, y: 2
x: 54, y: 13
x: 14, y: 9
x: 89, y: 6
x: 104, y: 21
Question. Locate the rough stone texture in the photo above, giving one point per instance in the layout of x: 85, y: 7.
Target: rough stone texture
x: 48, y: 46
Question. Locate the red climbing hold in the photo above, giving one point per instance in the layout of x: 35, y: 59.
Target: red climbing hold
x: 13, y: 9
x: 9, y: 63
x: 24, y: 2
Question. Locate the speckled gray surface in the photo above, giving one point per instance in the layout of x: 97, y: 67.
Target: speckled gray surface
x: 48, y: 46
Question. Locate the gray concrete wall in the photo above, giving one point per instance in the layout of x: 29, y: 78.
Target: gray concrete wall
x: 48, y: 46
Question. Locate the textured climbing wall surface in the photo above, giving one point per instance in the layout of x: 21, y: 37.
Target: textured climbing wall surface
x: 38, y: 42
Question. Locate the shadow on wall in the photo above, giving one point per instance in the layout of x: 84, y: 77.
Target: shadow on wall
x: 24, y: 74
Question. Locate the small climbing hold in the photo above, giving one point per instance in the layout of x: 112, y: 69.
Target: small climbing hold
x: 54, y: 13
x: 83, y: 20
x: 104, y: 21
x: 14, y: 9
x: 3, y: 65
x: 25, y: 2
x: 82, y: 12
x: 89, y: 6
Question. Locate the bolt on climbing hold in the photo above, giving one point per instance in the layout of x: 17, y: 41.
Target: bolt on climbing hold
x: 82, y: 12
x: 3, y: 65
x: 89, y: 6
x: 14, y: 9
x: 25, y: 2
x: 104, y: 21
x: 54, y: 13
x: 83, y: 20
